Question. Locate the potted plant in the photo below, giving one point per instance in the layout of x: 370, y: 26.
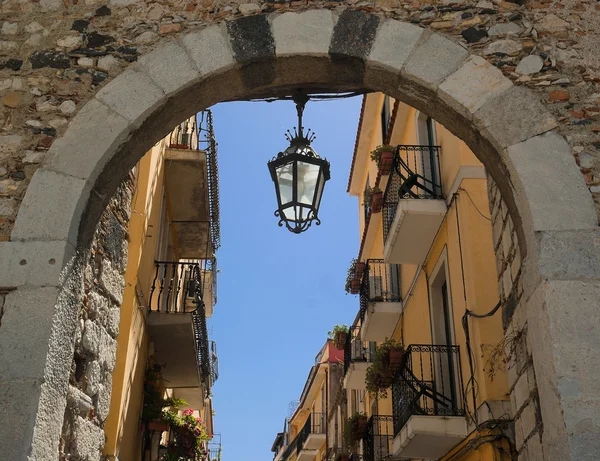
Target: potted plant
x: 384, y: 156
x: 374, y: 196
x: 339, y: 335
x: 386, y: 363
x: 355, y: 429
x: 342, y: 456
x: 352, y: 281
x: 359, y: 268
x: 190, y: 433
x: 154, y: 403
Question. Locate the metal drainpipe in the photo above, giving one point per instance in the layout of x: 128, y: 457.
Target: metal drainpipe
x: 326, y: 412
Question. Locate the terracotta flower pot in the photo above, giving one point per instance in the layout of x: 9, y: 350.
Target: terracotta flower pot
x: 361, y: 427
x: 359, y: 269
x: 385, y: 163
x: 395, y: 359
x: 376, y: 202
x: 157, y: 426
x: 355, y: 286
x: 339, y: 340
x: 342, y: 458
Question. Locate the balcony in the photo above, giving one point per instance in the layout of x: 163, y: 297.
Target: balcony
x: 358, y: 355
x: 191, y: 184
x: 377, y: 445
x: 312, y: 437
x: 177, y: 326
x: 429, y: 414
x: 380, y: 300
x: 413, y: 206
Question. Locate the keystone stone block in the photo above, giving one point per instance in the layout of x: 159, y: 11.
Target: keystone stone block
x: 307, y: 33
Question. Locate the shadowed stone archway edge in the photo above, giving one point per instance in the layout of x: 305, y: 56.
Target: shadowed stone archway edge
x: 505, y: 126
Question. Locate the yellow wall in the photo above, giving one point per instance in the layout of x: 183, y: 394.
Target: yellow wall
x: 473, y: 255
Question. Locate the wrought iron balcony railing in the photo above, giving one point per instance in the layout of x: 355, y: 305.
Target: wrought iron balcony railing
x: 179, y: 285
x: 197, y: 133
x: 415, y: 175
x: 356, y: 350
x: 428, y: 383
x: 178, y: 288
x: 377, y: 445
x: 380, y: 283
x: 315, y: 424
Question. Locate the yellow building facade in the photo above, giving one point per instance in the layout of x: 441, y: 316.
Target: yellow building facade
x: 163, y: 347
x: 424, y: 371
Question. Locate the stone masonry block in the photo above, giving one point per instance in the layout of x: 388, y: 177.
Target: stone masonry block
x: 19, y: 401
x: 112, y: 281
x: 569, y: 254
x: 88, y: 440
x: 91, y: 337
x: 515, y: 116
x: 433, y: 60
x: 40, y: 218
x: 309, y: 32
x: 33, y: 263
x: 92, y: 138
x: 393, y: 43
x: 528, y: 419
x: 209, y: 48
x: 26, y: 329
x: 521, y: 391
x: 107, y: 355
x: 133, y: 95
x: 486, y: 82
x: 162, y: 62
x: 553, y: 186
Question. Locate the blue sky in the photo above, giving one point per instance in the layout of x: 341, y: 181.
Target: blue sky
x: 279, y: 293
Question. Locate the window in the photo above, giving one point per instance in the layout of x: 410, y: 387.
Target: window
x: 385, y: 118
x: 366, y: 205
x: 426, y: 136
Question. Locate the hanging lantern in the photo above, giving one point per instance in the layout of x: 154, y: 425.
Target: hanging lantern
x: 299, y: 175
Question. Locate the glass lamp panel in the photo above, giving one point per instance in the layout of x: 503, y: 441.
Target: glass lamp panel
x: 307, y: 182
x: 319, y: 191
x: 285, y: 180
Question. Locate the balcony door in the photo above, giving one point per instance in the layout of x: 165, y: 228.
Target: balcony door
x: 426, y: 136
x: 443, y: 353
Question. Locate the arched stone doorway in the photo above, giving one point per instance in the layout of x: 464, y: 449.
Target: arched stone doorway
x: 506, y: 126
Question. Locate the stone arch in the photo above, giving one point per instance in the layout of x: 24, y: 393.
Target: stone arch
x: 505, y: 125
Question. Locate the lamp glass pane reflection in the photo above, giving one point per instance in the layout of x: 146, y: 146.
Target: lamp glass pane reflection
x: 299, y: 175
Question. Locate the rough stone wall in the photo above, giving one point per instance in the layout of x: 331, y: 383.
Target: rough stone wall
x: 90, y: 382
x: 55, y: 54
x: 521, y: 374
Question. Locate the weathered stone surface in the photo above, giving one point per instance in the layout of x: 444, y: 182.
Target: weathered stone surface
x: 107, y: 355
x: 94, y: 376
x: 353, y: 35
x: 309, y: 32
x: 48, y: 187
x: 249, y: 8
x: 394, y: 43
x: 209, y: 48
x: 72, y: 153
x: 548, y: 156
x: 434, y: 60
x: 503, y: 47
x: 486, y: 83
x: 551, y: 23
x: 161, y: 64
x: 505, y: 28
x: 88, y: 440
x: 112, y: 281
x: 530, y: 65
x: 474, y: 35
x: 103, y: 399
x: 569, y: 254
x: 52, y: 59
x: 497, y: 117
x: 132, y: 95
x: 91, y: 338
x: 251, y: 39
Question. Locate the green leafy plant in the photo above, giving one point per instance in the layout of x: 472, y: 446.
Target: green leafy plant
x: 338, y: 334
x: 369, y: 193
x: 376, y: 153
x: 386, y: 362
x: 354, y: 430
x: 154, y: 402
x: 350, y: 275
x: 190, y: 433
